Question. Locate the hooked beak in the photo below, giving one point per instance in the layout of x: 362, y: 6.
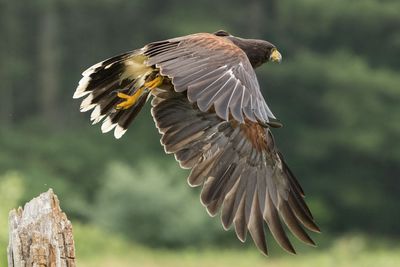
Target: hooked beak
x: 275, y: 56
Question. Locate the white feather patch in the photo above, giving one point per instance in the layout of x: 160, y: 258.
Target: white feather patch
x: 91, y: 69
x: 107, y: 125
x: 135, y: 67
x: 87, y: 103
x: 80, y: 94
x: 119, y: 132
x: 109, y: 65
x: 96, y: 116
x: 95, y: 113
x: 80, y: 90
x: 98, y: 119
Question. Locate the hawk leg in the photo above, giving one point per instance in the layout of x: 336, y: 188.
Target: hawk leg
x: 131, y: 100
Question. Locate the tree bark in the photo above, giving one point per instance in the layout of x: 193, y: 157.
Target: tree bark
x: 40, y: 235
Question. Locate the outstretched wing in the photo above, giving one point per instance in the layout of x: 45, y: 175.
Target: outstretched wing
x: 214, y: 72
x: 242, y: 173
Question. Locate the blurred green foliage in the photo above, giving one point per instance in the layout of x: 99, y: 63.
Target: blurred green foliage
x: 11, y: 190
x: 336, y: 91
x: 98, y: 248
x: 160, y: 211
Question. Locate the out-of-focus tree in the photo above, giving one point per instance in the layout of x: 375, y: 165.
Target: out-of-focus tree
x: 336, y: 93
x: 49, y: 62
x: 10, y: 29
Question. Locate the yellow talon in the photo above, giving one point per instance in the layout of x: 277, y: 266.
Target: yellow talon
x: 154, y: 83
x: 130, y: 99
x: 123, y: 96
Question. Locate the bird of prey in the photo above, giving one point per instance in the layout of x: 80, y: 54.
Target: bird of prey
x: 208, y: 107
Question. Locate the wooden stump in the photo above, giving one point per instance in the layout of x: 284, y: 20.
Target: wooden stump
x: 40, y: 235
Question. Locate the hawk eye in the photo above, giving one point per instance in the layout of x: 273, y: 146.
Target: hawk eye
x: 221, y: 33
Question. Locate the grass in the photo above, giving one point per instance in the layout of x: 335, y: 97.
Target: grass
x: 97, y: 249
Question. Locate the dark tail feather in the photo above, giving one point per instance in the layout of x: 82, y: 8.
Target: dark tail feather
x: 101, y: 83
x: 121, y: 119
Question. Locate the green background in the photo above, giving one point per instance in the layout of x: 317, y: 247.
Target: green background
x: 337, y: 92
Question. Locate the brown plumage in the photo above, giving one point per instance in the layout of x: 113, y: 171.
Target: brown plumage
x: 208, y: 106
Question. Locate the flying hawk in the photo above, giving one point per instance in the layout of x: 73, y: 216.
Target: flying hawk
x: 208, y: 107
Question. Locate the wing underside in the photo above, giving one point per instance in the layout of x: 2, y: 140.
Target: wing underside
x: 243, y: 175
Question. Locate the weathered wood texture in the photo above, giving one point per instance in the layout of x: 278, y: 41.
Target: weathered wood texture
x: 40, y: 235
